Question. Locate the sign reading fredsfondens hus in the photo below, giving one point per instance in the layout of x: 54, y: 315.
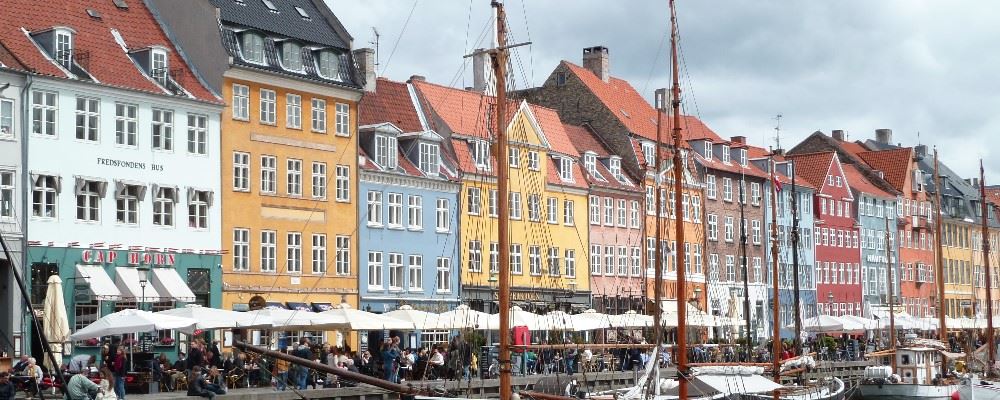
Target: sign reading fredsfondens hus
x: 128, y: 164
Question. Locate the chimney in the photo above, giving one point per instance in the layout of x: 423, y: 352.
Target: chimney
x: 838, y: 135
x: 780, y: 152
x: 596, y: 60
x: 883, y: 136
x: 661, y: 101
x: 365, y: 58
x: 920, y: 151
x: 415, y: 78
x: 738, y: 139
x: 482, y: 73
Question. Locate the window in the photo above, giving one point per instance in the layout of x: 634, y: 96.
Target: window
x: 374, y: 208
x: 241, y: 102
x: 159, y: 67
x: 730, y: 268
x: 343, y: 183
x: 609, y: 260
x: 553, y: 264
x: 318, y: 253
x: 415, y: 211
x: 197, y: 134
x: 514, y: 157
x: 268, y: 174
x: 534, y: 207
x: 713, y: 267
x: 634, y: 214
x: 268, y: 103
x: 443, y: 214
x: 708, y: 150
x: 743, y: 157
x: 343, y: 255
x: 590, y: 163
x: 710, y: 187
x: 126, y: 124
x: 198, y: 203
x: 492, y: 200
x: 595, y: 259
x: 396, y: 210
x: 552, y: 210
x: 163, y: 205
x: 595, y: 210
x: 473, y: 200
x: 713, y: 227
x: 755, y: 193
x: 291, y: 56
x: 725, y: 153
x: 727, y: 189
x: 375, y: 270
x: 7, y: 194
x: 267, y: 251
x: 515, y: 205
x: 566, y: 169
x: 481, y: 154
x: 6, y: 118
x: 685, y: 213
x: 494, y: 257
x: 343, y: 119
x: 429, y: 159
x: 515, y: 258
x: 756, y: 231
x: 609, y: 212
x: 622, y: 212
x: 533, y: 160
x: 241, y: 249
x: 622, y: 260
x: 328, y: 64
x: 570, y: 263
x: 385, y: 151
x: 127, y: 203
x: 395, y: 271
x: 293, y: 174
x: 163, y: 130
x: 534, y: 260
x: 294, y: 252
x: 87, y: 113
x: 568, y: 213
x: 615, y: 164
x: 253, y: 47
x: 636, y: 260
x: 415, y: 273
x: 729, y: 229
x: 44, y: 195
x: 648, y: 153
x: 476, y: 256
x: 44, y: 106
x: 319, y: 180
x: 88, y: 200
x: 443, y: 275
x: 293, y: 111
x: 64, y: 49
x: 318, y: 115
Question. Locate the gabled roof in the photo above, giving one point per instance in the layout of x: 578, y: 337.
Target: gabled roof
x: 107, y: 60
x: 585, y: 141
x: 813, y: 167
x: 579, y: 176
x: 894, y: 164
x: 390, y: 102
x: 286, y: 21
x: 857, y: 181
x: 462, y: 111
x: 554, y: 130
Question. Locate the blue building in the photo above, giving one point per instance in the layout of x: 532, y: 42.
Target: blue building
x: 408, y: 213
x: 875, y: 211
x: 784, y: 170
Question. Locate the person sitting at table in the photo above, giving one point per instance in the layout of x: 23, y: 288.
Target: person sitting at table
x: 7, y: 388
x: 437, y: 364
x: 34, y: 374
x: 80, y: 387
x: 81, y: 363
x: 197, y: 385
x: 18, y: 368
x: 105, y: 391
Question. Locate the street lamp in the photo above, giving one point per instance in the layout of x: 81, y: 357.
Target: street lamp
x: 143, y: 281
x: 829, y: 303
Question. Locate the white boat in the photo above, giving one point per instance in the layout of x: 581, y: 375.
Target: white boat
x: 975, y: 389
x: 919, y: 376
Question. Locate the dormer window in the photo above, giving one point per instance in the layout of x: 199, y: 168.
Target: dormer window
x: 253, y: 47
x: 158, y: 66
x: 590, y: 163
x: 328, y: 64
x: 566, y: 169
x: 615, y: 165
x: 708, y: 150
x: 481, y: 154
x: 270, y: 6
x: 649, y: 153
x: 385, y: 151
x: 429, y: 159
x: 725, y: 153
x: 743, y: 157
x: 291, y: 56
x: 63, y: 53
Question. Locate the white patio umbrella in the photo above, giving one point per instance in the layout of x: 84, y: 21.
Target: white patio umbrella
x: 695, y: 317
x: 420, y: 319
x: 929, y: 323
x: 55, y: 326
x: 854, y: 323
x: 358, y: 320
x: 464, y: 317
x: 822, y: 323
x: 590, y: 320
x: 631, y: 319
x: 214, y: 318
x: 518, y: 317
x: 283, y: 318
x: 133, y: 321
x: 555, y: 321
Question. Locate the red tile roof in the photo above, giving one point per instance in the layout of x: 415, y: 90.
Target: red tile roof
x: 108, y: 62
x: 389, y: 103
x: 853, y: 148
x: 554, y: 130
x: 856, y: 179
x: 894, y: 164
x: 463, y: 112
x: 585, y: 140
x: 993, y: 194
x: 7, y: 59
x: 579, y: 178
x: 813, y: 167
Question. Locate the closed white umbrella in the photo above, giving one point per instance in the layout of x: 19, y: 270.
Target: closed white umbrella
x: 133, y: 321
x: 518, y: 317
x: 420, y: 319
x: 590, y: 320
x: 56, y: 324
x: 822, y: 323
x: 464, y: 317
x: 283, y: 318
x: 359, y: 320
x: 214, y: 318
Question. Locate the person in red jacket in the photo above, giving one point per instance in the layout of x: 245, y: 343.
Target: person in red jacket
x: 119, y: 368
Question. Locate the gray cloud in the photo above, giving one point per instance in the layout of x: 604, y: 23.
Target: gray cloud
x: 911, y: 65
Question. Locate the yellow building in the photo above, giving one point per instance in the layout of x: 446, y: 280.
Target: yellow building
x: 961, y: 278
x: 289, y: 151
x: 548, y: 193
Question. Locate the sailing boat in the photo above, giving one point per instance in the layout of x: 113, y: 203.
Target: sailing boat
x: 923, y: 360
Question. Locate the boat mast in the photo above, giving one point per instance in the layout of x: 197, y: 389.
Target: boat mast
x: 991, y: 360
x: 675, y: 103
x: 658, y: 265
x: 499, y: 59
x: 776, y: 334
x: 795, y: 264
x: 939, y: 271
x: 889, y: 297
x: 743, y: 260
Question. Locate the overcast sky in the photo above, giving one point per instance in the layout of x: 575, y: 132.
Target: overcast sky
x: 909, y: 65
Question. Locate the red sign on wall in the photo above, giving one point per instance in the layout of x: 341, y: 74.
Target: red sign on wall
x: 133, y: 258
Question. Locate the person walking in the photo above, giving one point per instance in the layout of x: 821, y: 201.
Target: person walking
x: 281, y: 372
x: 302, y: 373
x: 119, y: 367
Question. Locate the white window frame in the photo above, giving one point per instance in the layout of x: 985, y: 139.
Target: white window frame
x: 6, y: 118
x: 595, y: 260
x: 328, y: 64
x: 710, y: 187
x: 164, y: 206
x: 729, y: 229
x: 566, y: 169
x: 415, y: 273
x: 515, y: 205
x: 533, y: 160
x: 430, y: 158
x: 268, y: 247
x: 343, y: 183
x: 293, y: 252
x: 318, y: 112
x: 197, y: 134
x: 8, y: 186
x: 44, y: 113
x: 394, y: 204
x: 385, y: 151
x: 241, y: 102
x: 475, y: 256
x: 127, y: 205
x: 88, y: 202
x: 515, y: 259
x: 88, y: 113
x: 293, y: 111
x: 343, y: 255
x: 514, y: 157
x: 241, y: 249
x: 415, y: 212
x: 569, y: 213
x: 45, y: 197
x: 553, y: 261
x: 727, y: 189
x: 534, y: 260
x: 473, y: 199
x: 291, y: 56
x: 375, y: 265
x: 198, y: 206
x: 595, y: 210
x: 162, y: 130
x: 318, y: 181
x: 268, y: 174
x: 343, y: 119
x: 570, y: 260
x: 712, y: 228
x: 318, y: 249
x: 293, y: 177
x: 443, y: 214
x: 534, y: 208
x: 252, y: 48
x: 395, y: 270
x: 551, y: 210
x: 444, y: 274
x: 268, y: 104
x: 374, y: 208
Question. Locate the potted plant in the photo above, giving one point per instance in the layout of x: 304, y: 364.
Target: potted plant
x: 166, y: 341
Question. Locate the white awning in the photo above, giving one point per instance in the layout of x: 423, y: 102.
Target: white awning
x: 101, y: 286
x: 127, y: 279
x: 169, y: 284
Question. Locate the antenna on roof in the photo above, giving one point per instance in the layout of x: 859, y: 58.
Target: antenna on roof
x: 918, y: 138
x: 375, y: 44
x: 777, y: 131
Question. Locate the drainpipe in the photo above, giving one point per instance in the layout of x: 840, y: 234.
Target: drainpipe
x: 25, y: 178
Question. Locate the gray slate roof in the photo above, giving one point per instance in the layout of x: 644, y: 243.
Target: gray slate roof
x: 286, y: 22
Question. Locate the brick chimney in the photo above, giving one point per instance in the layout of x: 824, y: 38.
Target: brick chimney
x: 416, y: 78
x: 738, y: 139
x: 365, y: 58
x: 920, y: 151
x: 596, y: 60
x: 482, y: 73
x: 883, y: 136
x: 838, y: 135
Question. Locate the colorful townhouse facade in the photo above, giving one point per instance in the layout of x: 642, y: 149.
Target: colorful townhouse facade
x: 288, y: 149
x: 875, y: 212
x: 117, y: 131
x: 410, y: 233
x: 12, y: 197
x: 627, y: 125
x: 548, y: 200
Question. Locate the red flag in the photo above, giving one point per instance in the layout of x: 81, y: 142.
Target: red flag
x: 776, y: 182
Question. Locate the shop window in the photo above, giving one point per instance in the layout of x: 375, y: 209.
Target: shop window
x: 200, y: 282
x: 40, y: 273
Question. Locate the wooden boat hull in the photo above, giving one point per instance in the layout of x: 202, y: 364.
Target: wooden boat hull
x: 907, y: 391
